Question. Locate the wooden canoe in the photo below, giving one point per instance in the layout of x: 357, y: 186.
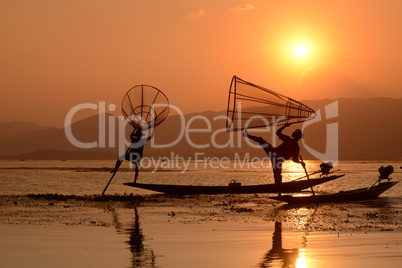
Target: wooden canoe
x: 342, y: 196
x: 287, y: 187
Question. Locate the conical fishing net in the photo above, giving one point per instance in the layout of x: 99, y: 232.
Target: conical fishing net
x: 252, y: 106
x: 145, y: 106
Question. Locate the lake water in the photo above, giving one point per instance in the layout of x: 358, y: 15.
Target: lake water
x: 90, y: 177
x: 209, y: 231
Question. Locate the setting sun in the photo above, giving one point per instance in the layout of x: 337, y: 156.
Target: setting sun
x: 300, y: 50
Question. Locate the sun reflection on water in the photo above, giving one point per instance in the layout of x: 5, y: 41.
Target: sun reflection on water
x: 301, y: 260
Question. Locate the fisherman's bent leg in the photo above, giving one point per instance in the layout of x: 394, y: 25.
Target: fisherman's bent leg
x: 261, y: 141
x: 253, y: 138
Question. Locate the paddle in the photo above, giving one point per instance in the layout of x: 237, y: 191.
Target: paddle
x: 308, y: 178
x: 315, y: 172
x: 377, y: 180
x: 114, y: 173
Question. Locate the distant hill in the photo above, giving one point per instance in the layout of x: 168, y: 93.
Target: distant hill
x: 57, y: 154
x: 10, y: 128
x: 52, y: 143
x: 369, y: 129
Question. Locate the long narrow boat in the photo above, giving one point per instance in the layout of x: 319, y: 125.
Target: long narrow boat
x: 342, y: 196
x: 287, y: 187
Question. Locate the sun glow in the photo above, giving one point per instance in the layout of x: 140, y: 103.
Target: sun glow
x: 300, y: 50
x: 301, y: 262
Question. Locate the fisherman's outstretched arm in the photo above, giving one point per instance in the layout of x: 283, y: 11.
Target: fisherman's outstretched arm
x: 279, y: 131
x: 152, y: 135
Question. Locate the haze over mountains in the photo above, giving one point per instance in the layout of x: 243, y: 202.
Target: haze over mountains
x: 367, y: 129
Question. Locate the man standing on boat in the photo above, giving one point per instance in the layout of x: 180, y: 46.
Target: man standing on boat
x: 289, y: 149
x: 135, y: 151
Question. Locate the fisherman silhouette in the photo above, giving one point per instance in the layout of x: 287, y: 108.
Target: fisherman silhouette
x: 287, y: 150
x: 135, y: 152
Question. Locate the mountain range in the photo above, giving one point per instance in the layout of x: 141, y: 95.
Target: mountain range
x: 363, y: 129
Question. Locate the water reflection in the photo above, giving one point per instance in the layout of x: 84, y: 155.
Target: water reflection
x: 281, y: 257
x: 142, y: 256
x: 205, y: 246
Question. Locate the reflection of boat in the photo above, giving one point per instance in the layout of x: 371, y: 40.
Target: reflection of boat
x: 342, y: 196
x: 287, y: 187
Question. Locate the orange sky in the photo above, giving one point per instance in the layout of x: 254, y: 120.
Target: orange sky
x: 56, y: 54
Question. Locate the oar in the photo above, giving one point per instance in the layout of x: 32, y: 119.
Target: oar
x: 315, y: 172
x: 379, y: 179
x: 308, y: 178
x: 114, y: 173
